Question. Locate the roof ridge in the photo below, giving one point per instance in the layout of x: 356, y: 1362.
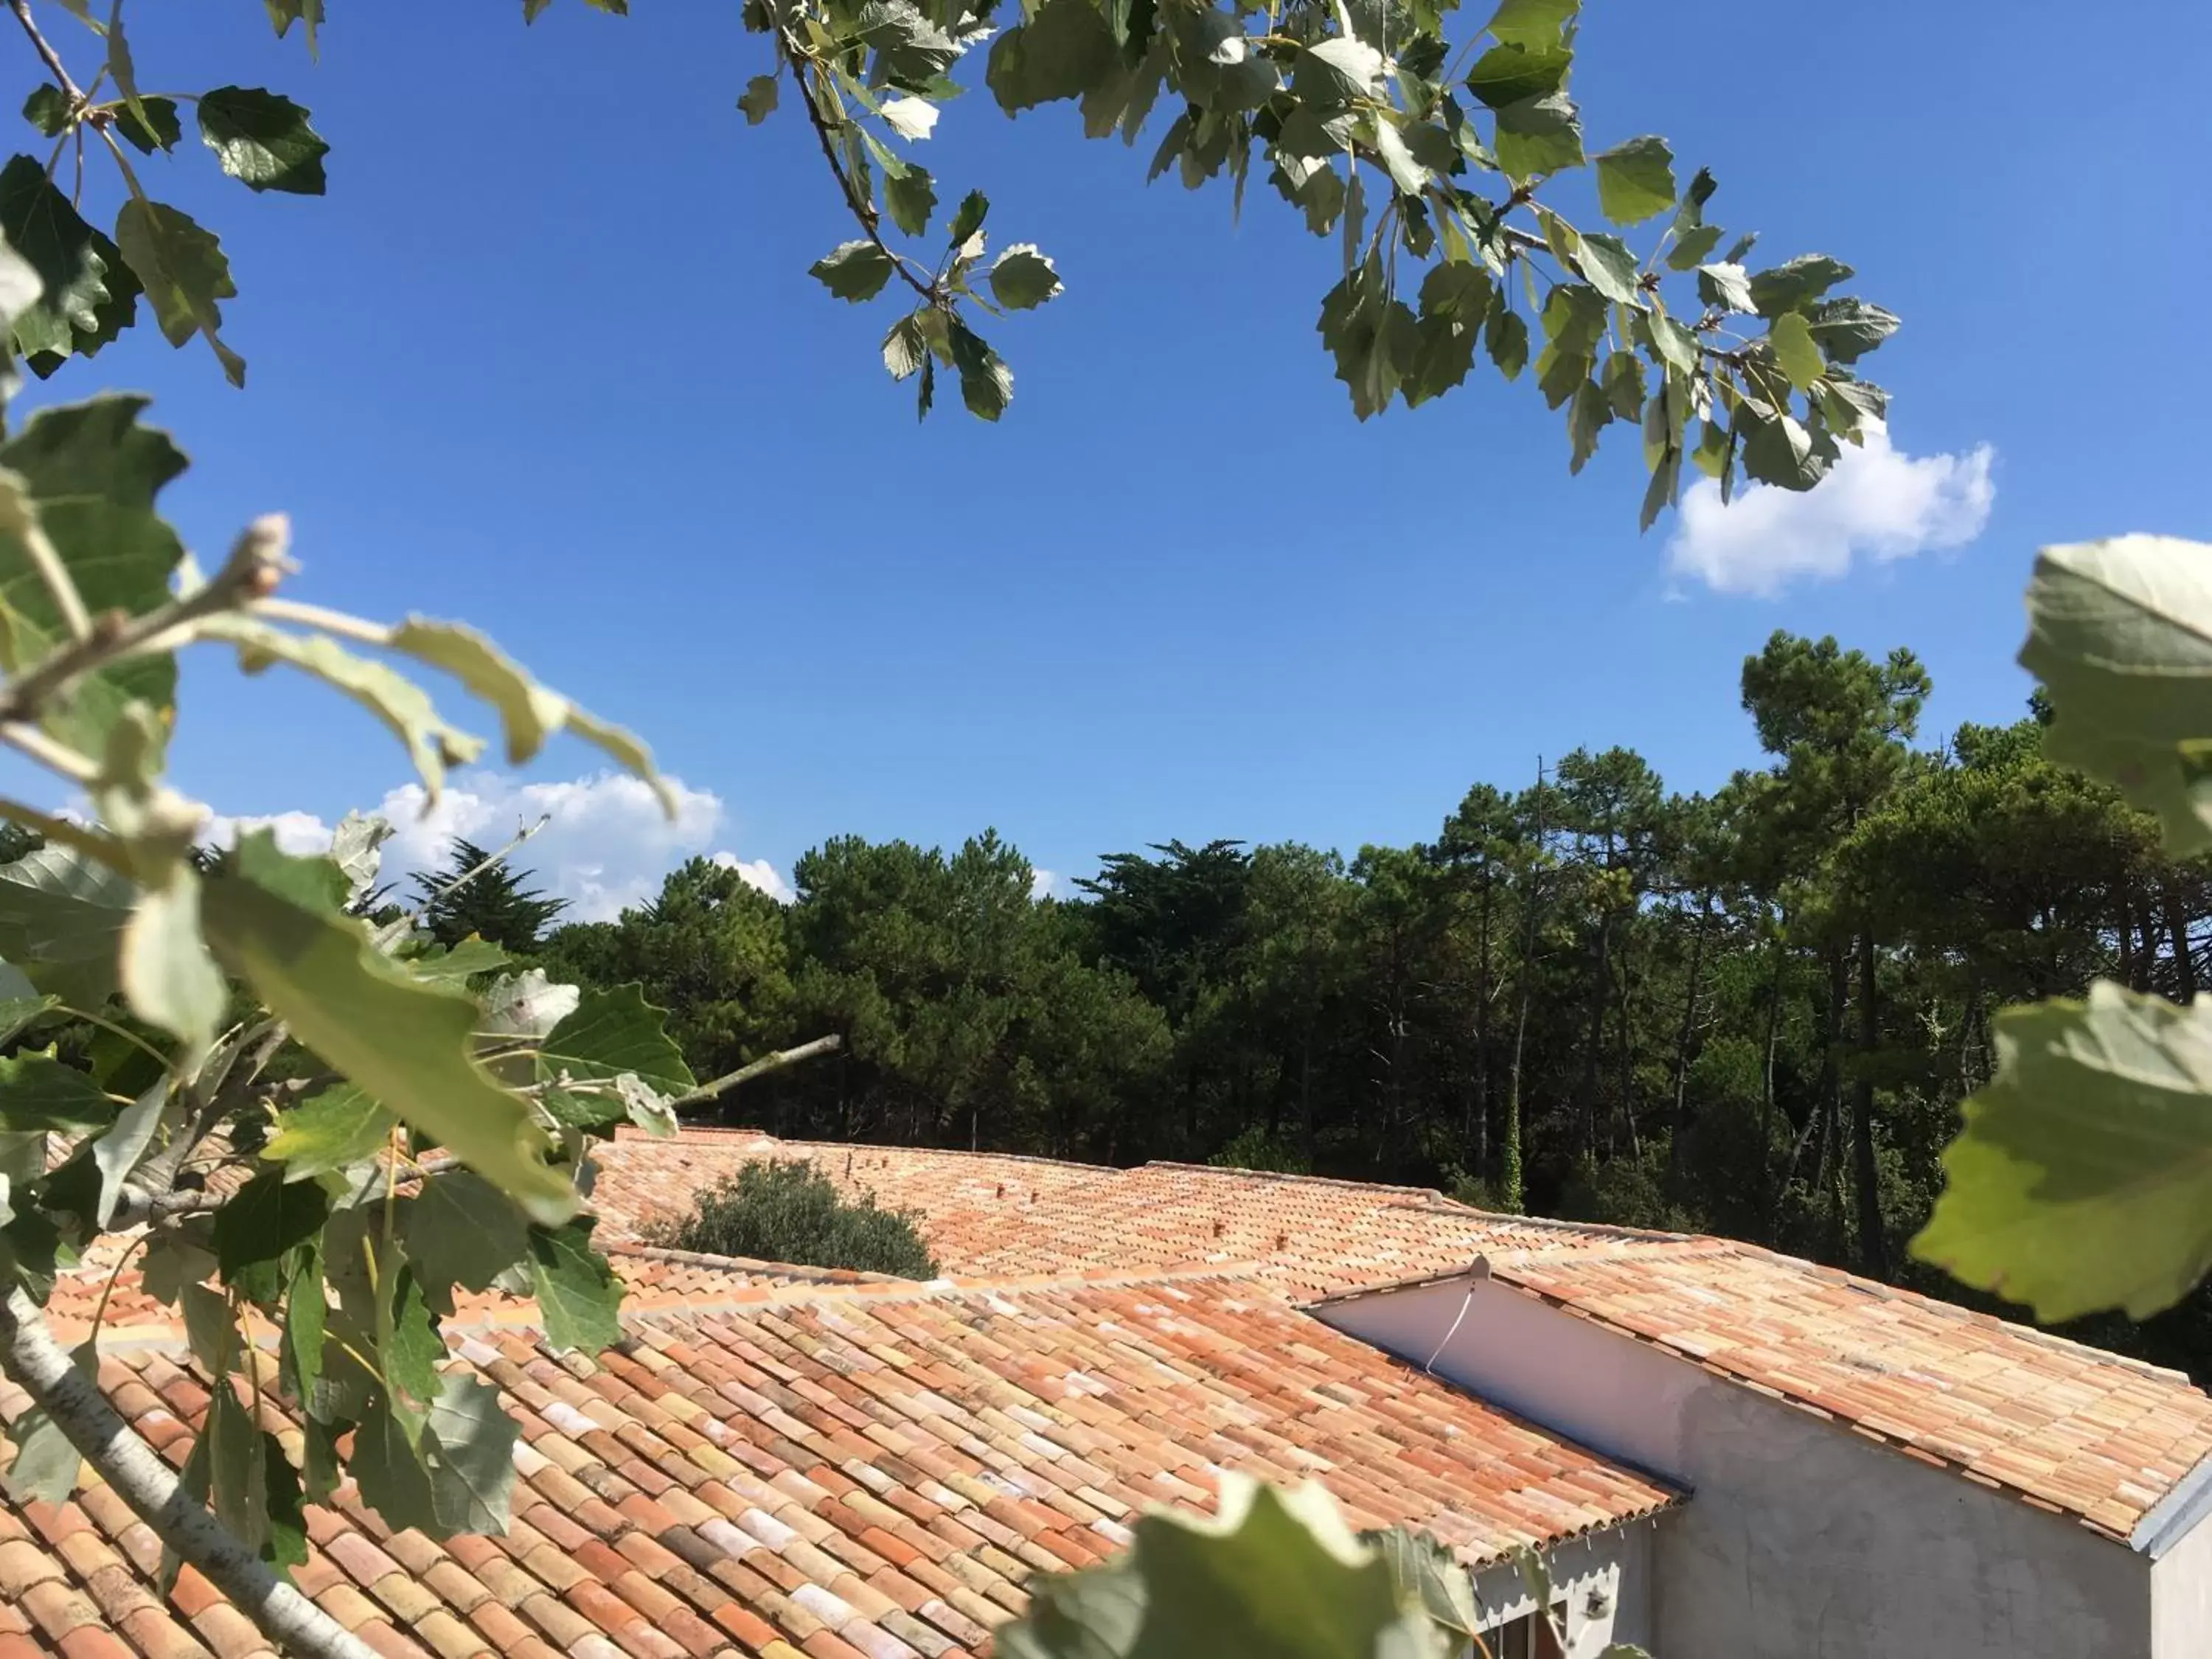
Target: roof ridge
x: 1286, y: 1175
x: 852, y: 1147
x: 760, y: 1264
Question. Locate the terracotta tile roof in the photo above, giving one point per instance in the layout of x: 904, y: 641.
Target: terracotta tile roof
x: 871, y: 1468
x: 2088, y: 1433
x: 2072, y: 1429
x: 986, y: 1214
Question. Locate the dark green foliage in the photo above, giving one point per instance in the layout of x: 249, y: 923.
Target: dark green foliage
x: 1702, y: 1048
x: 494, y: 905
x: 791, y: 1213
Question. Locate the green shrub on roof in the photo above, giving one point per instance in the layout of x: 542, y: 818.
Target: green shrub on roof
x: 776, y: 1210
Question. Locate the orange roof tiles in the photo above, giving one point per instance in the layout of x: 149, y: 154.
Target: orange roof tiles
x: 986, y: 1214
x: 2091, y: 1435
x: 871, y: 1468
x: 2095, y: 1436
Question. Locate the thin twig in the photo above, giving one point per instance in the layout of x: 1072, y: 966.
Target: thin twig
x: 863, y: 210
x: 322, y: 618
x: 54, y: 757
x: 775, y: 1062
x: 396, y: 930
x: 47, y: 55
x: 256, y: 560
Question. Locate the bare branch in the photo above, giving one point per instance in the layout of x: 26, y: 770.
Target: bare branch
x: 47, y: 55
x: 707, y: 1092
x: 35, y: 1362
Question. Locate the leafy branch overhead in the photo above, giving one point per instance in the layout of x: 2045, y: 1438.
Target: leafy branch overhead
x: 1441, y: 170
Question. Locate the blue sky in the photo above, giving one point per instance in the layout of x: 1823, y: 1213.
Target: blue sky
x: 547, y: 358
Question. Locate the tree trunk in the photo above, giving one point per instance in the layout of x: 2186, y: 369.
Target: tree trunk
x: 1874, y: 1246
x: 1828, y: 1166
x: 1678, y: 1105
x: 2147, y: 951
x: 2176, y: 927
x: 1771, y: 1190
x: 1482, y: 1037
x: 1593, y: 1041
x: 1626, y: 1069
x: 1511, y: 1196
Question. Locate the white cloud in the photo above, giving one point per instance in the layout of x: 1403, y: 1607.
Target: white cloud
x: 606, y: 846
x: 1877, y: 502
x: 1042, y: 882
x: 760, y: 873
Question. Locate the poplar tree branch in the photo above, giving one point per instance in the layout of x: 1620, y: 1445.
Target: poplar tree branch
x: 35, y: 1362
x: 706, y: 1092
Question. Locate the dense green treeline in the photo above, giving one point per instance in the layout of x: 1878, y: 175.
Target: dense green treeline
x: 1753, y: 1013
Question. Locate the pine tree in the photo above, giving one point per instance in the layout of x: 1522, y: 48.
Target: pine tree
x: 494, y: 905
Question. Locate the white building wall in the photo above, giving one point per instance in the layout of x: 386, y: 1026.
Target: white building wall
x: 2181, y: 1598
x: 1601, y: 1586
x: 1801, y: 1540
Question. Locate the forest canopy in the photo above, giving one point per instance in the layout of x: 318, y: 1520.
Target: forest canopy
x: 1754, y: 1012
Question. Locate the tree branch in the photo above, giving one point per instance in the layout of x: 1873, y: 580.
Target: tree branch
x: 863, y: 210
x: 256, y: 560
x: 35, y: 1362
x: 47, y: 55
x: 707, y: 1092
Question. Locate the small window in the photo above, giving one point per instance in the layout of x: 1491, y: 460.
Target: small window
x: 1525, y: 1638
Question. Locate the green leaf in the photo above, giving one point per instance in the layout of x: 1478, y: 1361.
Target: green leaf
x: 1636, y: 180
x: 975, y: 207
x: 1848, y: 328
x: 1796, y: 284
x: 1534, y: 22
x: 392, y: 1480
x: 1407, y: 176
x: 529, y: 712
x: 116, y: 1153
x: 1588, y: 411
x: 1513, y: 72
x: 1065, y: 49
x: 906, y: 348
x: 576, y: 1293
x: 207, y: 1328
x: 184, y: 273
x: 987, y: 384
x: 1506, y: 337
x: 62, y: 918
x: 2082, y: 1179
x: 1427, y: 1572
x: 405, y: 1041
x: 37, y: 1091
x: 2120, y: 634
x: 333, y: 1130
x: 461, y: 1229
x: 1693, y: 246
x: 1539, y: 136
x: 1781, y: 451
x: 1273, y: 1573
x: 284, y: 1523
x: 1675, y: 345
x: 167, y: 976
x: 411, y: 1349
x: 262, y: 140
x: 470, y: 1443
x: 152, y: 125
x: 306, y: 1316
x: 282, y: 13
x: 265, y: 1218
x: 1021, y: 278
x: 1336, y: 71
x: 46, y: 1464
x: 1791, y: 340
x: 853, y: 271
x: 433, y: 744
x: 472, y: 956
x: 1725, y: 286
x: 911, y: 196
x: 1611, y: 268
x: 758, y: 101
x: 610, y: 1033
x: 90, y: 473
x: 47, y: 109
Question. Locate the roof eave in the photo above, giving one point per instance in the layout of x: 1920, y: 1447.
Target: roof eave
x: 2175, y: 1516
